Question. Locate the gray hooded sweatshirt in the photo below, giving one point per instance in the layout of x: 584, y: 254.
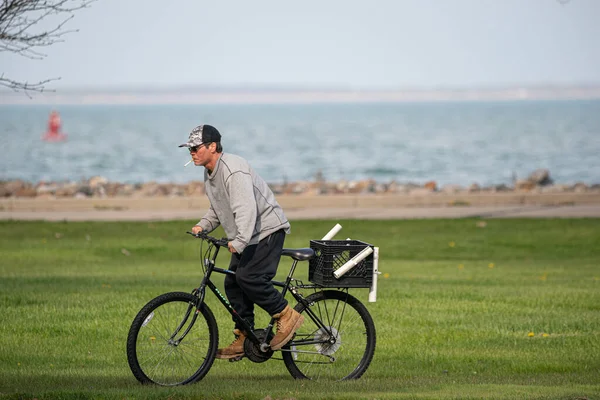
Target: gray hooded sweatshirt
x: 242, y: 202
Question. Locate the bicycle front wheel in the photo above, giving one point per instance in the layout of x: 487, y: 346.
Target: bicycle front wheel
x: 336, y: 341
x: 171, y: 342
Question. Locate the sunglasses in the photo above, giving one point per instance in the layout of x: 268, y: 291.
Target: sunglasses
x: 195, y: 148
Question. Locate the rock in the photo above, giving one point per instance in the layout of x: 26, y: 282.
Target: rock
x: 25, y: 192
x: 312, y: 191
x: 11, y: 188
x: 431, y: 185
x: 67, y: 190
x: 554, y: 189
x: 540, y: 177
x: 501, y: 188
x: 194, y: 187
x: 381, y: 188
x: 276, y: 188
x: 299, y: 187
x: 580, y: 187
x: 99, y: 191
x: 4, y: 192
x: 524, y: 185
x: 112, y: 188
x: 96, y: 181
x: 474, y: 188
x: 164, y: 189
x: 101, y: 187
x: 341, y: 186
x: 360, y: 187
x: 125, y: 190
x: 44, y: 188
x: 177, y: 191
x: 323, y: 188
x: 395, y: 187
x: 452, y: 189
x: 423, y: 191
x: 148, y: 189
x: 85, y: 190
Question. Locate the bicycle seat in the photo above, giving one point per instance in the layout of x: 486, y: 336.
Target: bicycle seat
x: 299, y: 254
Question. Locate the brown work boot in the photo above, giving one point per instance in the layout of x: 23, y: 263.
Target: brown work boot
x: 288, y: 322
x: 236, y: 348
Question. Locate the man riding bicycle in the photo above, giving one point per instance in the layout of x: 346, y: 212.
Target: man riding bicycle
x: 244, y: 205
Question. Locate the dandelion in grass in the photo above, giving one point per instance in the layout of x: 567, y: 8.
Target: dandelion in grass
x: 545, y: 334
x: 491, y: 265
x: 451, y: 244
x: 461, y: 266
x: 386, y: 275
x: 531, y: 334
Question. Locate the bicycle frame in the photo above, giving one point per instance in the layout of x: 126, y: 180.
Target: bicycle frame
x: 285, y: 286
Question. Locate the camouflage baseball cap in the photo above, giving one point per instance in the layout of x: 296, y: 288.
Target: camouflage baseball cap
x: 202, y: 134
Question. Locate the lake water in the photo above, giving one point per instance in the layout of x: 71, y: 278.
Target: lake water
x: 451, y: 143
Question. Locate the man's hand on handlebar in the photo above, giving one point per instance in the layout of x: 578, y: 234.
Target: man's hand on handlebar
x: 196, y: 229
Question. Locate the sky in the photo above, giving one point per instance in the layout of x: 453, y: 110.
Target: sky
x: 384, y: 44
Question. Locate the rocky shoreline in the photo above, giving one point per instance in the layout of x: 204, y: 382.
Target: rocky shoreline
x: 99, y: 187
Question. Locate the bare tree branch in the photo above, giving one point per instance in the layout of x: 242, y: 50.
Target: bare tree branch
x: 26, y: 87
x: 19, y: 33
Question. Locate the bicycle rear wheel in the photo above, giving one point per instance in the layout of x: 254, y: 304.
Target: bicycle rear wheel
x: 336, y: 341
x: 170, y: 342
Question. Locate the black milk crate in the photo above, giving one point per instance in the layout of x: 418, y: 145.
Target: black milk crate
x: 331, y: 255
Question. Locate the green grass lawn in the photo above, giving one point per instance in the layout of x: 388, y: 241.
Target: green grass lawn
x: 466, y: 308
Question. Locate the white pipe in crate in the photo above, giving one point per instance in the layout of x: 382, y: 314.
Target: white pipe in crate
x: 351, y: 263
x: 332, y: 232
x: 373, y: 290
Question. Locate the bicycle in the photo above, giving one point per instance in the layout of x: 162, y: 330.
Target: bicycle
x: 173, y: 339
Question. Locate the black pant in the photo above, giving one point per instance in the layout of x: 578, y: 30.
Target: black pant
x: 251, y: 284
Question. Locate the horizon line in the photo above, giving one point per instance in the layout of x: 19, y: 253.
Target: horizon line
x: 185, y: 87
x: 214, y: 94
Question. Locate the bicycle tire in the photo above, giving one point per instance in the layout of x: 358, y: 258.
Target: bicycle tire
x: 348, y: 321
x: 154, y: 357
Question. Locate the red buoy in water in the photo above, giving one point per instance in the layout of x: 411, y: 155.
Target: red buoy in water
x: 53, y: 134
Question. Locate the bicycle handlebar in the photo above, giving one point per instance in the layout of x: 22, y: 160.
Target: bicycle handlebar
x: 224, y: 242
